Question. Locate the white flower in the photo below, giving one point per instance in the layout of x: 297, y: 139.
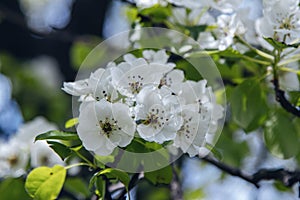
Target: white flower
x: 160, y: 57
x: 221, y: 37
x: 130, y: 78
x: 191, y: 18
x: 225, y: 6
x: 207, y: 40
x: 228, y: 27
x: 289, y: 80
x: 191, y: 135
x: 149, y: 3
x: 172, y: 78
x: 281, y: 21
x: 103, y: 126
x: 28, y: 131
x: 199, y: 98
x: 187, y: 3
x: 101, y: 83
x: 42, y: 155
x: 14, y: 157
x: 155, y: 114
x: 77, y: 88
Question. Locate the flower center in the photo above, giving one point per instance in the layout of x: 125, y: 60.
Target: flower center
x: 155, y: 118
x: 108, y: 126
x: 135, y: 83
x: 13, y: 160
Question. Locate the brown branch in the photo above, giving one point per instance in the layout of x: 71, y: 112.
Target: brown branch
x: 288, y: 178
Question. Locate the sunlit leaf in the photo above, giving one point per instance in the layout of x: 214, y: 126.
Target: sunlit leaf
x: 71, y: 122
x: 45, y: 183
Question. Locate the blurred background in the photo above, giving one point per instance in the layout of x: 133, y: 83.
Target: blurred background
x: 42, y: 44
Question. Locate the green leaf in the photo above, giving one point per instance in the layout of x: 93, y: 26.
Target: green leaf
x: 99, y: 183
x: 156, y: 13
x: 280, y: 135
x: 15, y: 184
x: 71, y: 122
x: 45, y: 183
x: 276, y: 44
x: 295, y: 97
x: 59, y: 135
x: 195, y: 30
x: 163, y: 175
x: 77, y: 186
x: 62, y: 150
x: 115, y: 173
x: 248, y: 105
x: 101, y: 161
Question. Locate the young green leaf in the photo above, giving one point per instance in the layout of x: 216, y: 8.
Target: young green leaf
x: 71, y: 122
x: 45, y: 183
x: 59, y: 135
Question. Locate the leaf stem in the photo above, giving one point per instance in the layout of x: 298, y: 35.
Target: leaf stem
x: 76, y: 165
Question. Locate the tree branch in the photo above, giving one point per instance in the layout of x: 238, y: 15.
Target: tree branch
x: 288, y: 178
x: 175, y: 186
x: 280, y: 97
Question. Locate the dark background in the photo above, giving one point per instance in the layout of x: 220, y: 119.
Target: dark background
x: 17, y: 39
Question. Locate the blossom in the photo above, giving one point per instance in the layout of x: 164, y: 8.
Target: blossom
x: 130, y: 77
x: 146, y: 97
x: 103, y: 126
x: 155, y: 114
x: 42, y: 155
x: 28, y: 131
x: 149, y: 3
x: 228, y: 27
x: 281, y: 21
x: 77, y: 88
x: 13, y: 158
x: 200, y: 114
x: 191, y: 135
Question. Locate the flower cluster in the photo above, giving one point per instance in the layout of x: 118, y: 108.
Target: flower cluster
x: 225, y: 19
x: 281, y: 21
x: 20, y: 151
x: 144, y: 97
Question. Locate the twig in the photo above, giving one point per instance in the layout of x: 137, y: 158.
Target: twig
x: 288, y: 178
x: 280, y: 97
x: 175, y: 186
x: 231, y: 170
